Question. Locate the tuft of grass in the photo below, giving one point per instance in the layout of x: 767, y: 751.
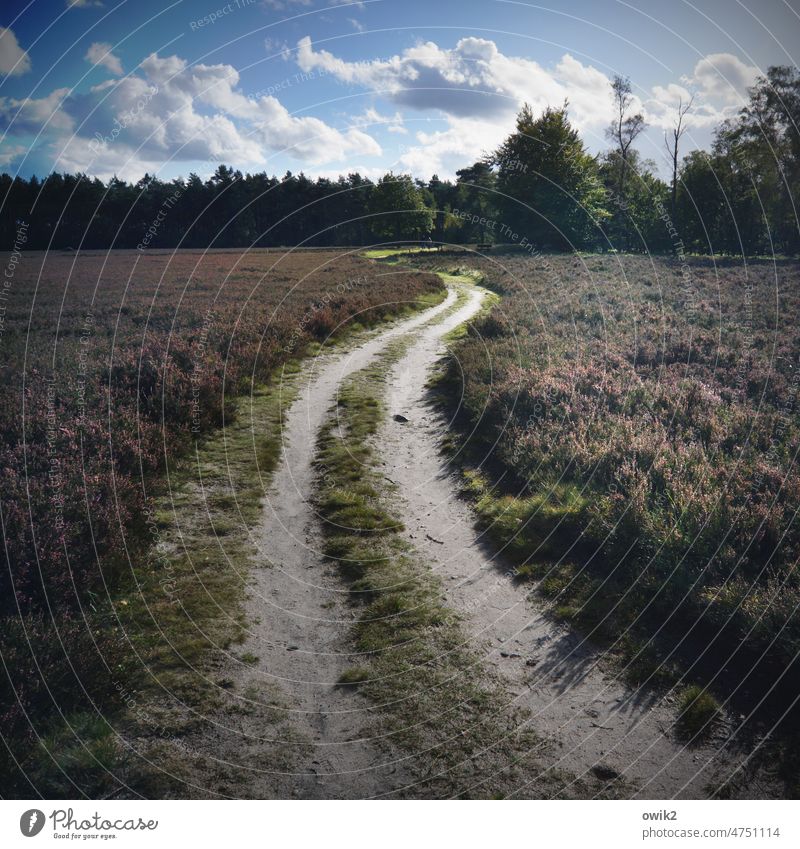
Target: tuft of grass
x: 698, y: 712
x: 354, y: 675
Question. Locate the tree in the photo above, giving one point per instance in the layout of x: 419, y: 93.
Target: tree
x: 764, y: 142
x: 638, y: 222
x: 672, y: 140
x: 625, y: 128
x: 444, y: 195
x: 476, y: 198
x: 719, y: 206
x: 548, y: 187
x: 397, y: 209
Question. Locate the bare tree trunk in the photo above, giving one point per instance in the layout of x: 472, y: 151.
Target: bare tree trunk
x: 673, y: 144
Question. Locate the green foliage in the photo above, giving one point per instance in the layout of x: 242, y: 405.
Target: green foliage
x: 698, y: 711
x: 476, y: 200
x: 398, y: 210
x: 547, y: 182
x: 739, y: 197
x: 635, y: 219
x: 719, y: 207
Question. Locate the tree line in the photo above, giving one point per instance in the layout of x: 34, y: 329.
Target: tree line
x: 540, y: 186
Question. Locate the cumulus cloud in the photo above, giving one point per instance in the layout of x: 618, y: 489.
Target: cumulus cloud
x: 13, y: 59
x: 661, y: 108
x: 100, y: 54
x: 31, y: 115
x: 422, y: 77
x: 443, y: 152
x: 170, y: 110
x: 724, y: 75
x: 718, y: 84
x: 476, y: 89
x: 471, y: 80
x: 174, y: 111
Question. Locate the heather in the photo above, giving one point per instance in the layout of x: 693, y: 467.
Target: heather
x: 630, y: 431
x: 115, y: 366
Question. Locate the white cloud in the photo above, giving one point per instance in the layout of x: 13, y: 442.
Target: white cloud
x: 285, y: 4
x: 170, y: 110
x: 462, y: 142
x: 661, y: 109
x: 83, y: 4
x: 100, y: 54
x: 671, y: 95
x: 719, y: 86
x: 724, y: 75
x: 174, y: 111
x: 29, y: 115
x: 475, y: 82
x: 278, y: 48
x: 477, y: 90
x: 371, y: 117
x: 10, y: 153
x: 13, y: 59
x: 473, y: 79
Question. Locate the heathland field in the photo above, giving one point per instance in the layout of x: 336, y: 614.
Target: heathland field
x: 629, y: 431
x: 232, y: 558
x: 117, y: 365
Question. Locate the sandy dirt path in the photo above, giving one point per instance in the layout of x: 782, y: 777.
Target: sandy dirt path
x: 297, y: 606
x: 563, y: 681
x: 301, y: 620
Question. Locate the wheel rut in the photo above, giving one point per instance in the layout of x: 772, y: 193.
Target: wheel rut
x: 298, y: 607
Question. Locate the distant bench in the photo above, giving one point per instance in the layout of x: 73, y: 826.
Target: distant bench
x: 483, y: 247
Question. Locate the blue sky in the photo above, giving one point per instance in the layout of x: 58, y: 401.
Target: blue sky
x: 330, y: 87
